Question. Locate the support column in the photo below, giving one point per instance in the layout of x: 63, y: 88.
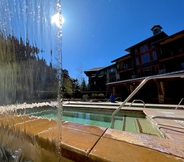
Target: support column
x: 114, y: 91
x: 132, y: 87
x: 161, y: 90
x: 128, y: 88
x: 162, y: 93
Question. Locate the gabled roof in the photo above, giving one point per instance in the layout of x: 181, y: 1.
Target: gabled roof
x: 122, y: 57
x: 98, y: 69
x: 163, y: 34
x: 94, y: 69
x: 172, y: 37
x: 112, y: 65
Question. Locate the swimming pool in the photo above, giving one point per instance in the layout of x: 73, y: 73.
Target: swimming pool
x: 126, y: 120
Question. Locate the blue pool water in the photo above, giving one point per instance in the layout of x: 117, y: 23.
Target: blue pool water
x: 130, y: 121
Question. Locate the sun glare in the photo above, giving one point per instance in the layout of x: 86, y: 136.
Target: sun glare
x: 55, y: 19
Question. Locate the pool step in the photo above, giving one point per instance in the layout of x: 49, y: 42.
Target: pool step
x: 136, y: 125
x: 145, y: 127
x: 118, y: 124
x: 129, y: 125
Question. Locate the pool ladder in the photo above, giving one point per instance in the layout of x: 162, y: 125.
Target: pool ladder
x: 138, y: 101
x: 145, y: 80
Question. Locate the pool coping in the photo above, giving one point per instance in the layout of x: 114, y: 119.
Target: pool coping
x: 166, y: 146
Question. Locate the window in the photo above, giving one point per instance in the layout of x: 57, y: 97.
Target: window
x: 145, y: 58
x: 154, y: 54
x: 182, y: 65
x: 143, y: 48
x: 111, y: 70
x: 125, y: 66
x: 179, y: 51
x: 102, y: 72
x: 118, y: 66
x: 137, y: 61
x: 135, y: 51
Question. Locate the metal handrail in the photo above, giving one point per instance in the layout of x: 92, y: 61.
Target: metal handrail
x: 172, y: 75
x: 179, y: 103
x: 137, y: 100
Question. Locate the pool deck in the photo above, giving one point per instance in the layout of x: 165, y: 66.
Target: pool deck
x: 81, y: 142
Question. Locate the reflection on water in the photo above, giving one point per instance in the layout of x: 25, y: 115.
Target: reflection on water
x: 30, y: 55
x: 29, y: 50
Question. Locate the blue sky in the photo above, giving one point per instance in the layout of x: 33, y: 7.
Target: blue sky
x: 95, y: 32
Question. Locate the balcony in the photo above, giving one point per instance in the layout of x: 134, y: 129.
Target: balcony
x: 171, y: 54
x: 124, y: 69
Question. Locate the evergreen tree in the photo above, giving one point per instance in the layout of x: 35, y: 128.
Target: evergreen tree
x: 67, y: 84
x: 24, y: 76
x: 83, y: 85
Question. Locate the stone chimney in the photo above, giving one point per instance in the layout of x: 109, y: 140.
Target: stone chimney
x: 156, y: 29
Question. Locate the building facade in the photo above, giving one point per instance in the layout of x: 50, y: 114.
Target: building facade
x: 158, y: 54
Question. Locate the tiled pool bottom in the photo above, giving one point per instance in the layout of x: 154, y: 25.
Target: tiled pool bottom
x: 127, y: 120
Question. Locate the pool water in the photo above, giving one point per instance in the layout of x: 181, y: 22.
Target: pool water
x: 130, y: 121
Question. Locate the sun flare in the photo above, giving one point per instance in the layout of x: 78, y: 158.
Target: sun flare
x: 55, y: 19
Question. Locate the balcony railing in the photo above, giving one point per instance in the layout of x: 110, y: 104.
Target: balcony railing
x: 124, y: 68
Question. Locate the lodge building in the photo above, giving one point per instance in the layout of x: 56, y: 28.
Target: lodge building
x: 158, y: 54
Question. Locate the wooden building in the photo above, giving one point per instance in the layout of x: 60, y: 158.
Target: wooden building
x: 158, y: 54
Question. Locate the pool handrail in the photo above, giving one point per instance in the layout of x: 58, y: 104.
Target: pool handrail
x: 179, y: 103
x: 144, y: 81
x: 137, y: 100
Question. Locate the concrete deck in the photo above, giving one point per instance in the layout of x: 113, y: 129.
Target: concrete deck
x: 90, y: 143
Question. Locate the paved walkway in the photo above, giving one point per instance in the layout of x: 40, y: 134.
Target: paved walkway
x: 170, y: 122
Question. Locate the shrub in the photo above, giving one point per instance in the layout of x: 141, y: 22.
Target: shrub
x: 85, y: 96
